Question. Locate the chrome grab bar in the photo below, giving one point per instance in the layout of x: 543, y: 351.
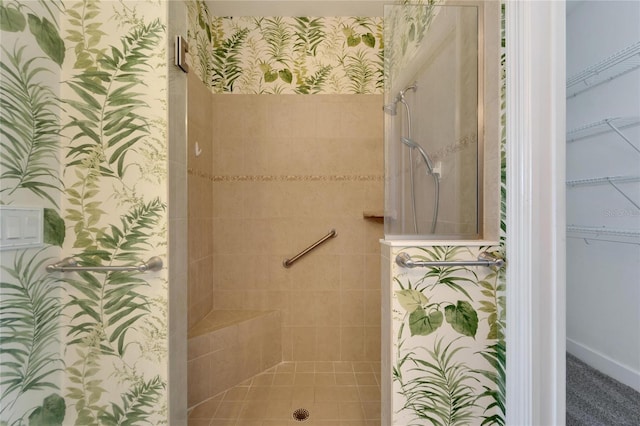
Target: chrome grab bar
x: 484, y: 259
x: 69, y: 264
x: 288, y: 262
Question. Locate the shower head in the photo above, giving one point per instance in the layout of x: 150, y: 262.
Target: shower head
x: 412, y: 144
x: 392, y: 108
x: 413, y: 88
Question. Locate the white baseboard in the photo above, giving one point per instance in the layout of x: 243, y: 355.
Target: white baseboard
x: 604, y: 364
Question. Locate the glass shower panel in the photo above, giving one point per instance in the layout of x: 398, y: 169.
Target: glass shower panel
x: 433, y: 122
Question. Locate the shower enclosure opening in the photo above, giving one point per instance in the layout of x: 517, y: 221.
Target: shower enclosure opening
x: 433, y: 122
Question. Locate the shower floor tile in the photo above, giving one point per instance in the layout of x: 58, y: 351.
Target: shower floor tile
x: 334, y: 394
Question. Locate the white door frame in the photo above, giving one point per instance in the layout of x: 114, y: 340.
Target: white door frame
x: 535, y: 218
x: 535, y: 36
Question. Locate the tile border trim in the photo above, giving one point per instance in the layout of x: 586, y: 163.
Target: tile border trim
x: 286, y: 178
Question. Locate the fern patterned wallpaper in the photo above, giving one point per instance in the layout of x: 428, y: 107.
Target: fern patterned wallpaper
x: 446, y: 325
x: 448, y: 353
x: 82, y: 101
x: 286, y: 55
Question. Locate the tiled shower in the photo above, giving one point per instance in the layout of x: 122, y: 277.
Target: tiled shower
x: 271, y: 169
x: 268, y: 175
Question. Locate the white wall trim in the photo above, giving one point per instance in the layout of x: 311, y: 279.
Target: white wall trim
x: 518, y: 220
x: 535, y: 33
x: 601, y: 362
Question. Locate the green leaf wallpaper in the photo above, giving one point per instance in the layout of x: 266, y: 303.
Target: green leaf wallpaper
x: 30, y: 309
x: 406, y: 26
x: 286, y: 55
x: 29, y: 126
x: 449, y: 351
x: 448, y: 357
x: 83, y: 134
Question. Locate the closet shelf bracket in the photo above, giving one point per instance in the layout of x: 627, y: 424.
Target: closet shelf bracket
x: 615, y: 129
x: 620, y: 63
x: 615, y: 124
x: 601, y: 180
x: 629, y: 236
x: 611, y: 180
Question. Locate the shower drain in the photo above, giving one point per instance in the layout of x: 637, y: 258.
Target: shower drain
x: 301, y: 414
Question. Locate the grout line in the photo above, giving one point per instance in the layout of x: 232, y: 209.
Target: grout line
x: 244, y: 406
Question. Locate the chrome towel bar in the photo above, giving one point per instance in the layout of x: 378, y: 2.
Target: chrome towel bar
x: 484, y: 259
x: 69, y: 264
x: 288, y: 262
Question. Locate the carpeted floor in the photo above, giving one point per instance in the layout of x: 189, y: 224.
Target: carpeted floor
x: 594, y: 399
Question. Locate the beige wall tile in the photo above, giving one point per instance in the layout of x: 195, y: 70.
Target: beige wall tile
x: 352, y: 305
x: 271, y: 349
x: 372, y: 343
x: 197, y: 311
x: 200, y: 203
x: 363, y: 117
x: 223, y: 338
x: 200, y: 150
x: 200, y: 241
x: 226, y: 300
x: 287, y: 343
x: 226, y: 372
x: 372, y: 303
x: 352, y: 271
x: 227, y: 236
x: 229, y: 272
x: 351, y: 234
x: 302, y: 309
x: 198, y: 372
x: 352, y: 343
x: 328, y: 343
x: 251, y: 356
x: 329, y: 116
x: 198, y: 346
x: 303, y: 343
x: 291, y: 116
x: 270, y: 145
x: 226, y: 202
x: 369, y: 393
x: 326, y: 307
x: 279, y: 278
x: 199, y: 108
x: 254, y: 276
x: 374, y: 195
x: 372, y: 272
x: 228, y: 156
x: 276, y: 300
x: 373, y: 233
x: 228, y: 113
x: 200, y: 300
x: 316, y: 272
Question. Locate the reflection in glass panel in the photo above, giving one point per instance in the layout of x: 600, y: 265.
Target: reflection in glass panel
x: 432, y: 122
